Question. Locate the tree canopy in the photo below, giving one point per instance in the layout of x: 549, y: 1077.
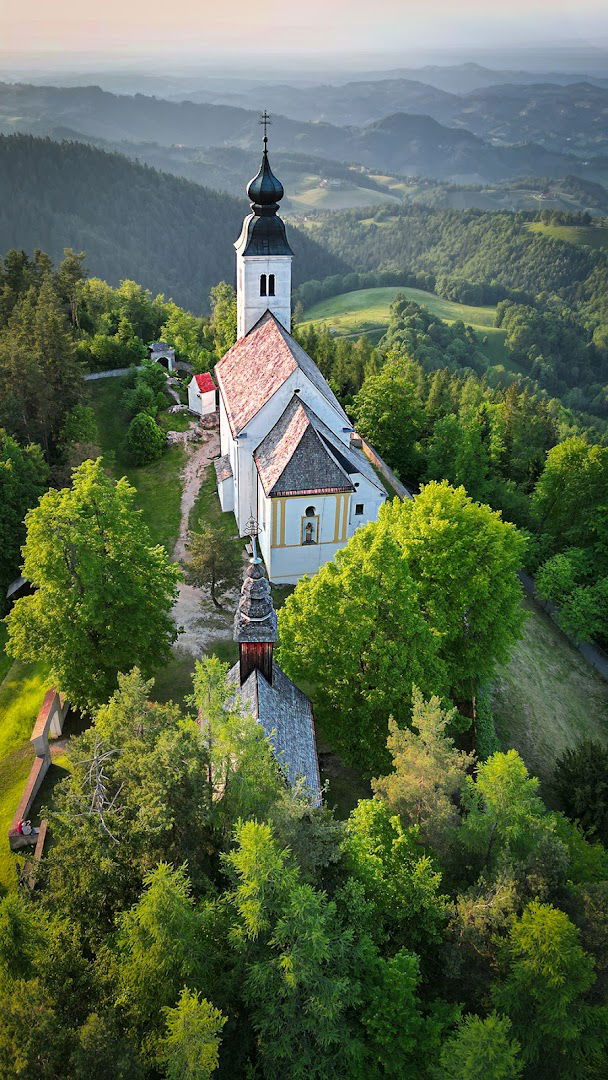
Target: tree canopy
x: 103, y: 593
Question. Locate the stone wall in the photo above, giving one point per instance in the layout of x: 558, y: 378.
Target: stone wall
x: 49, y: 723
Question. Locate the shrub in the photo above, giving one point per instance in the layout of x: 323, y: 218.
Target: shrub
x: 145, y: 442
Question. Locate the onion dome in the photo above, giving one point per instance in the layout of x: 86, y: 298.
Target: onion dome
x: 265, y: 191
x: 255, y: 619
x: 263, y: 231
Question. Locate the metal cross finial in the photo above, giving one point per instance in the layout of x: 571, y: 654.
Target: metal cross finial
x: 265, y: 121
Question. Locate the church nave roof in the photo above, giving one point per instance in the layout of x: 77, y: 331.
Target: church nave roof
x: 258, y: 364
x: 285, y: 713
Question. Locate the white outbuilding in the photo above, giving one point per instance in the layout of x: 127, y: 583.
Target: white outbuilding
x: 201, y: 394
x: 164, y: 354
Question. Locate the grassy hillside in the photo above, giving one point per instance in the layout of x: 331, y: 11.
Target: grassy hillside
x: 158, y: 485
x: 21, y: 694
x: 548, y: 697
x: 367, y: 311
x: 594, y: 236
x: 313, y: 192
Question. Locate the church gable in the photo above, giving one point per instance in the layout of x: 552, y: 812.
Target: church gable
x: 293, y: 459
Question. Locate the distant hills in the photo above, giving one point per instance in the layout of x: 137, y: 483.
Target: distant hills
x: 559, y: 116
x: 400, y: 142
x: 170, y: 235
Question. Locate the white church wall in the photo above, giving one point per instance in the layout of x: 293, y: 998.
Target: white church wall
x: 251, y: 305
x: 264, y: 421
x: 367, y: 497
x: 225, y: 490
x: 289, y: 557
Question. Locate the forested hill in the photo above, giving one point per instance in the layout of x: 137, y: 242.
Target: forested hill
x: 169, y: 234
x: 472, y: 256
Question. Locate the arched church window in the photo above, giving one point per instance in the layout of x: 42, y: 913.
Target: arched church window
x: 271, y: 284
x: 263, y: 285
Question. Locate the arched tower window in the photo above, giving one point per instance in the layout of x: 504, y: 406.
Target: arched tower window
x: 263, y: 285
x: 271, y: 284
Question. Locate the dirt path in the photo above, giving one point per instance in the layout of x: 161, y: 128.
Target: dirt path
x: 200, y: 457
x: 193, y: 612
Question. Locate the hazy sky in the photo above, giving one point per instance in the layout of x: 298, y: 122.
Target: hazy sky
x: 136, y: 27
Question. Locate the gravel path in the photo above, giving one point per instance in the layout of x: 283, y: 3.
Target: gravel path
x: 199, y: 620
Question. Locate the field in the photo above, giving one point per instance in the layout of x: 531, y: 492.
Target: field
x: 21, y: 694
x: 158, y: 485
x: 367, y: 311
x: 310, y: 193
x: 594, y: 236
x: 548, y: 698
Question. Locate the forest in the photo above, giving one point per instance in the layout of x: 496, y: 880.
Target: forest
x: 168, y: 234
x: 196, y: 917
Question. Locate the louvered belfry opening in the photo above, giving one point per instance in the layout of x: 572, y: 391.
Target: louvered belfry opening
x: 255, y: 622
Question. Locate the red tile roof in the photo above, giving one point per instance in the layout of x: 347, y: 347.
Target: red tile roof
x: 254, y: 369
x: 205, y: 383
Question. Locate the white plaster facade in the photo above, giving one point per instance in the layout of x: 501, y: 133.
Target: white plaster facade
x: 262, y: 282
x: 280, y: 519
x: 261, y: 380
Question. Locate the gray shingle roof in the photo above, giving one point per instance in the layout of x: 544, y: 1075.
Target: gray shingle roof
x: 253, y: 370
x: 301, y: 454
x: 294, y: 458
x: 285, y: 713
x: 223, y: 468
x: 255, y: 618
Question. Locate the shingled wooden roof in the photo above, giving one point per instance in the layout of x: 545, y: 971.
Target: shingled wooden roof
x: 294, y: 459
x: 257, y: 365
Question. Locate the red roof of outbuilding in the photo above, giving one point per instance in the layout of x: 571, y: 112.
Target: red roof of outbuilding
x: 205, y: 383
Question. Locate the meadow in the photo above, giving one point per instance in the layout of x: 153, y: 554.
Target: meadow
x: 310, y: 193
x: 367, y: 311
x: 593, y: 236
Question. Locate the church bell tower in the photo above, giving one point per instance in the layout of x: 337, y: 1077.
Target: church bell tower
x: 263, y: 254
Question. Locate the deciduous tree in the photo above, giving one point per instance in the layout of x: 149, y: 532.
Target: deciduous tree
x: 103, y: 593
x: 214, y: 560
x: 191, y: 1045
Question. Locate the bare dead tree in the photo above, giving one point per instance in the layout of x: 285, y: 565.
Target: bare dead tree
x: 97, y: 800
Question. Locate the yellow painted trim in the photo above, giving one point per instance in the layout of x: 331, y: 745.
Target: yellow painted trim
x: 337, y: 520
x: 282, y: 501
x: 275, y: 523
x: 321, y: 543
x: 303, y: 522
x: 345, y: 517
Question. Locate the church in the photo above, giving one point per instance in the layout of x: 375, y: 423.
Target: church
x: 290, y: 458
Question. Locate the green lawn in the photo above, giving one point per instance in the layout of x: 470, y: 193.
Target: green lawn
x: 548, y: 698
x: 21, y: 694
x: 367, y: 311
x: 594, y: 236
x: 158, y: 485
x: 207, y: 508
